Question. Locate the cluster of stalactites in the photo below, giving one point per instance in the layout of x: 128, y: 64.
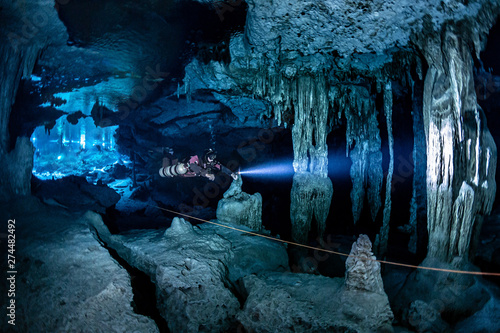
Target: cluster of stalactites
x: 383, y: 237
x: 310, y: 104
x: 461, y: 151
x: 363, y: 145
x: 303, y: 102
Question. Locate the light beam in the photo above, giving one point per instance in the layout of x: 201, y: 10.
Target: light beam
x: 277, y: 169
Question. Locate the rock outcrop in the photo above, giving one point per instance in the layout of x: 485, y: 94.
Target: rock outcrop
x: 308, y: 303
x: 240, y: 208
x: 76, y: 194
x: 442, y: 299
x: 424, y: 317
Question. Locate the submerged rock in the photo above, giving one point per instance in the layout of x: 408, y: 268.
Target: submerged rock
x: 75, y: 193
x: 308, y: 303
x: 238, y: 207
x: 213, y: 278
x: 425, y: 317
x: 485, y: 320
x: 66, y: 281
x: 194, y: 269
x: 441, y: 296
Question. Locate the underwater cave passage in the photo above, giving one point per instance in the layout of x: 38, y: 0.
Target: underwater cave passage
x: 170, y: 149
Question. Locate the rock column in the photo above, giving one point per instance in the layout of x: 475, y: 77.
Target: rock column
x: 461, y: 153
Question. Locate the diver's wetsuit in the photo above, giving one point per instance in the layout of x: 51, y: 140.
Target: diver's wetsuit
x: 198, y: 168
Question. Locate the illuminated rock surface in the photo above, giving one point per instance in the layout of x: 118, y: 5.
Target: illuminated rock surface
x: 240, y: 208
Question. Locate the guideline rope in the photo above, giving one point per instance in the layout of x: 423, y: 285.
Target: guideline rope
x: 330, y: 251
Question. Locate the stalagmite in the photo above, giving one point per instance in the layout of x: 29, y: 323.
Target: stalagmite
x: 461, y: 154
x: 240, y: 208
x: 362, y: 271
x: 383, y: 237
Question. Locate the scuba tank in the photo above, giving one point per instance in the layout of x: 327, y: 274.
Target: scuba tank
x: 174, y: 170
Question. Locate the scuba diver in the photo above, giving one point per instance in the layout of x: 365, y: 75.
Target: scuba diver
x: 193, y: 166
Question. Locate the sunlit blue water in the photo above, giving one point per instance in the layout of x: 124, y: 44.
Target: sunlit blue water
x: 79, y: 149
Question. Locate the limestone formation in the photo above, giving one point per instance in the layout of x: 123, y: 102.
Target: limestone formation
x: 67, y: 282
x: 308, y: 303
x: 362, y: 271
x: 363, y: 146
x: 311, y: 197
x: 383, y: 237
x: 425, y: 317
x: 418, y: 203
x: 320, y: 69
x: 461, y: 160
x: 428, y: 298
x: 195, y: 269
x: 191, y: 292
x: 308, y: 96
x: 240, y: 208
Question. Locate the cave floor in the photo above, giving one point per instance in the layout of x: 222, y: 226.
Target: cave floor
x: 66, y: 281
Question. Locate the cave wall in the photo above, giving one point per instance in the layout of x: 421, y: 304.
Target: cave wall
x: 16, y: 162
x: 27, y: 28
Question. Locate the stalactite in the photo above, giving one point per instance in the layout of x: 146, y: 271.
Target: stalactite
x: 363, y: 133
x: 383, y: 237
x: 307, y: 96
x: 460, y: 180
x: 417, y: 223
